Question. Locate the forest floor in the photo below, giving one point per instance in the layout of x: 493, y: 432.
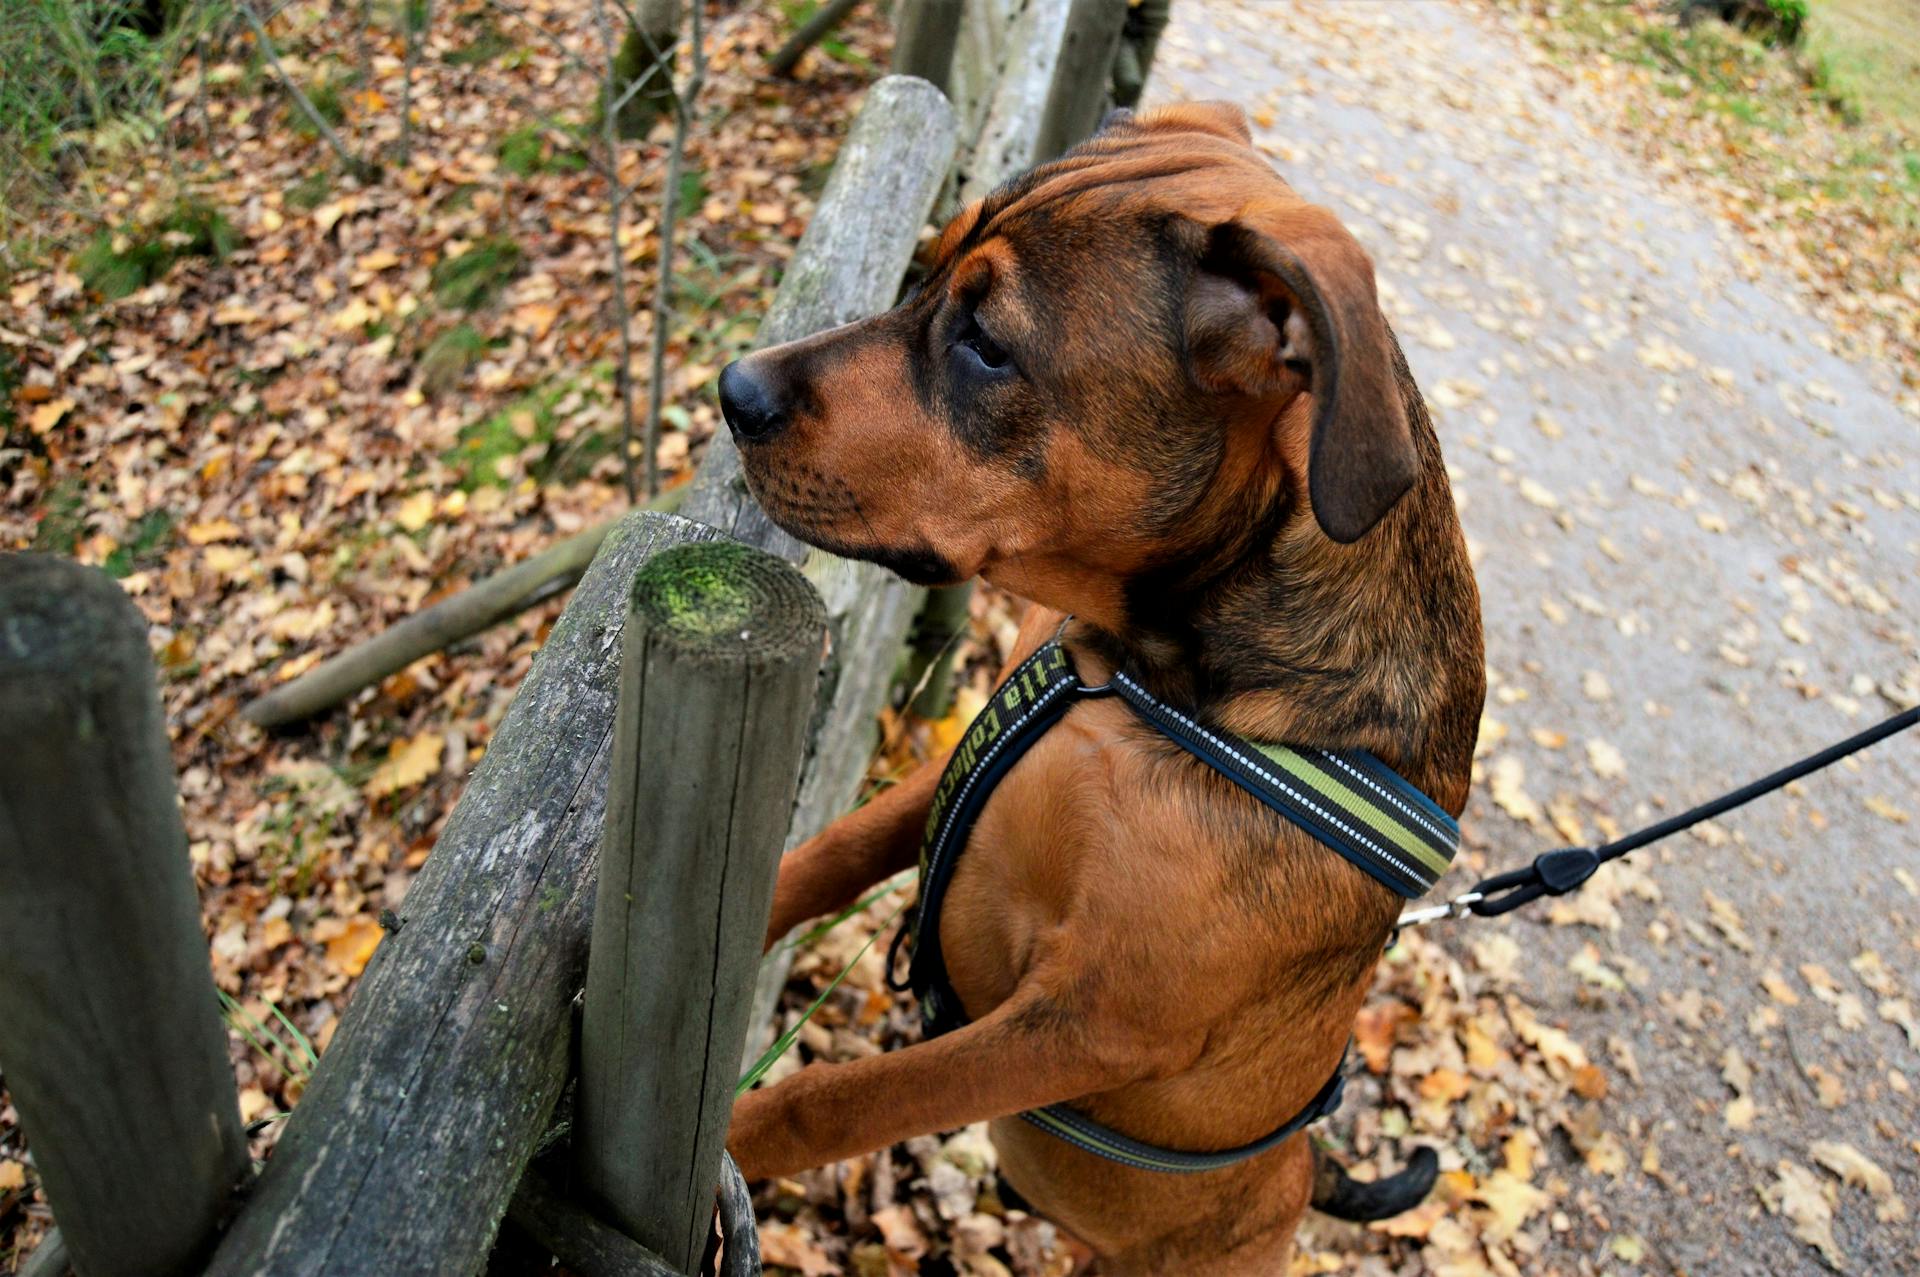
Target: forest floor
x: 1662, y: 296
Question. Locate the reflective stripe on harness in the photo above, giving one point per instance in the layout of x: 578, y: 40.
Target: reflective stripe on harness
x: 1349, y: 800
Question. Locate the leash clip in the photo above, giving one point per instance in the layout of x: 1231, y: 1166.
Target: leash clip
x: 1553, y: 873
x: 1458, y: 907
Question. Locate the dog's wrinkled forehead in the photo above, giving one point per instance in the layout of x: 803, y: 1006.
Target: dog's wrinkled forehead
x: 1194, y: 160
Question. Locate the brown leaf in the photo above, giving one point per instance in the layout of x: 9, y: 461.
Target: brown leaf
x: 353, y: 947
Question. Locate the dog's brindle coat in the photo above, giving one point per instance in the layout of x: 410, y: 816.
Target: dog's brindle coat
x: 1148, y: 386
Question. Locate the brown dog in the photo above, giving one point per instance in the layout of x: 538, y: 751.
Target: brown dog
x: 1148, y: 386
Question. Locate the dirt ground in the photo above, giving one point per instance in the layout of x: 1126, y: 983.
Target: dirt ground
x: 1695, y: 528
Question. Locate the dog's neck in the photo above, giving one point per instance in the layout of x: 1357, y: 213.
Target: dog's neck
x: 1294, y: 638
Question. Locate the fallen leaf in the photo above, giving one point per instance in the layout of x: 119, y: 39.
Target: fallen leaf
x: 416, y: 511
x: 1858, y: 1170
x: 408, y: 763
x: 1512, y: 1202
x: 791, y: 1246
x: 1506, y: 781
x: 47, y: 415
x: 350, y: 950
x: 1607, y: 761
x: 1797, y: 1195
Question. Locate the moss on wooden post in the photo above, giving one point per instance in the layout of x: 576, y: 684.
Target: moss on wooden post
x: 721, y: 655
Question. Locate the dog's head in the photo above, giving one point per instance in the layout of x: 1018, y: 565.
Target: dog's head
x: 1142, y: 355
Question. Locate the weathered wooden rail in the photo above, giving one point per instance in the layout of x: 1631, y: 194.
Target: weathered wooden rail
x: 700, y: 705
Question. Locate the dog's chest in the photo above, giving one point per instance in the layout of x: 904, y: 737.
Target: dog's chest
x: 1058, y: 840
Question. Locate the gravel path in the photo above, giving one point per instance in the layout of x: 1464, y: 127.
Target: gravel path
x: 1696, y: 531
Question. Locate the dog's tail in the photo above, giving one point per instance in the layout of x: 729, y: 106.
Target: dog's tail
x: 1338, y: 1194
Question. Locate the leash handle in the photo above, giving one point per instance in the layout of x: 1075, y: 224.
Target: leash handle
x: 1556, y: 873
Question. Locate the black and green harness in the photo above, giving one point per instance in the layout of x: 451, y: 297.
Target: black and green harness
x: 1347, y: 799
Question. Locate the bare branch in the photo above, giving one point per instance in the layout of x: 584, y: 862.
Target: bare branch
x: 616, y: 201
x: 683, y: 101
x: 415, y: 33
x: 355, y: 165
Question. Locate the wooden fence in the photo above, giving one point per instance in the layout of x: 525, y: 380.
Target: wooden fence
x: 652, y: 748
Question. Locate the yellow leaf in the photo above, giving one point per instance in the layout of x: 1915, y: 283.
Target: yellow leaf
x: 12, y: 1175
x: 416, y: 511
x: 47, y: 415
x: 350, y: 950
x: 1512, y: 1200
x: 1886, y: 810
x: 212, y: 530
x: 228, y: 560
x: 408, y: 763
x: 297, y: 666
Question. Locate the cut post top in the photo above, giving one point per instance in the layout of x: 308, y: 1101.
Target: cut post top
x: 60, y: 617
x: 728, y: 602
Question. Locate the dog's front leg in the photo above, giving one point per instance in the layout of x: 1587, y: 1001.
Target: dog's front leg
x: 1031, y: 1051
x: 830, y: 870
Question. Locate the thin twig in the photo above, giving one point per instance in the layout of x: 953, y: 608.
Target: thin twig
x: 363, y: 42
x: 683, y: 103
x: 616, y: 201
x: 415, y: 33
x: 355, y: 165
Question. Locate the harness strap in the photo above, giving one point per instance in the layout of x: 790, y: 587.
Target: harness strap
x: 1083, y: 1132
x: 1349, y: 800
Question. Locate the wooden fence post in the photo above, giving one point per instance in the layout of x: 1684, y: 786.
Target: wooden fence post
x: 925, y: 33
x: 1081, y: 80
x: 110, y: 1032
x: 420, y: 1120
x: 722, y: 653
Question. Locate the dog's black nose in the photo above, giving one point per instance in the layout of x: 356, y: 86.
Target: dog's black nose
x: 753, y: 406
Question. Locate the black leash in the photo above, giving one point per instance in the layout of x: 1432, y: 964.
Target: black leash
x: 1555, y: 873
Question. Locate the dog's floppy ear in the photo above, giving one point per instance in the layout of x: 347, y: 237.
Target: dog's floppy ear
x: 1296, y: 298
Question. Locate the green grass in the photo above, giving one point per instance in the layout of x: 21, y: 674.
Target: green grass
x: 282, y: 1043
x: 146, y: 541
x: 1839, y: 115
x: 9, y: 384
x: 63, y: 517
x: 537, y: 148
x: 476, y: 277
x: 488, y: 43
x: 1867, y: 53
x: 329, y: 100
x: 80, y: 79
x: 449, y: 357
x: 310, y: 192
x: 122, y: 260
x: 535, y: 423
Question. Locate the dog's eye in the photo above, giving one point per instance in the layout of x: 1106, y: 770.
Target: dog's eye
x: 974, y: 338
